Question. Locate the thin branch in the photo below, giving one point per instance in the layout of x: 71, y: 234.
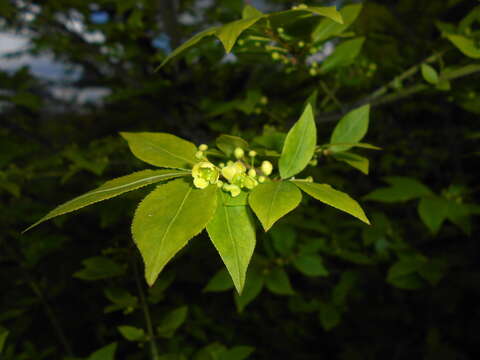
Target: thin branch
x: 380, y: 96
x: 146, y: 312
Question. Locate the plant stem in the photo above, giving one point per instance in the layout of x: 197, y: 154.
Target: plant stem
x: 47, y: 307
x: 146, y: 312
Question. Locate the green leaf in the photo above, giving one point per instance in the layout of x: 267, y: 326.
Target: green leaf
x: 327, y: 11
x: 99, y: 267
x: 299, y: 145
x: 172, y: 321
x: 343, y: 55
x: 328, y: 195
x: 328, y: 28
x: 430, y: 74
x: 249, y: 12
x: 343, y: 287
x: 465, y: 45
x: 270, y: 201
x: 232, y: 232
x: 283, y: 239
x: 131, y: 333
x: 353, y: 145
x: 221, y: 281
x: 237, y: 353
x: 161, y: 149
x: 228, y: 143
x: 253, y: 287
x: 329, y: 316
x: 358, y: 162
x: 310, y: 265
x: 111, y: 189
x: 3, y: 337
x: 167, y: 219
x: 433, y: 211
x: 105, y: 353
x: 192, y: 41
x: 350, y: 129
x: 277, y: 282
x: 312, y: 100
x: 401, y: 189
x: 121, y: 299
x: 229, y: 33
x: 287, y: 17
x: 434, y: 270
x: 403, y: 273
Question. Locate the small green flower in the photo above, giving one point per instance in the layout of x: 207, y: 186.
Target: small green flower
x: 204, y: 173
x: 261, y: 179
x: 252, y: 173
x: 203, y: 147
x: 252, y: 153
x: 233, y: 169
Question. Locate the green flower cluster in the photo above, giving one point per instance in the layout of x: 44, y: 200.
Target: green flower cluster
x: 233, y: 176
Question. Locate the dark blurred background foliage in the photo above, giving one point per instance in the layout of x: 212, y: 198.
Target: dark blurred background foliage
x: 406, y: 287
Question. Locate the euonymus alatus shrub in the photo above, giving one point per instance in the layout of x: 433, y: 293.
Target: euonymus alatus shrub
x: 218, y: 188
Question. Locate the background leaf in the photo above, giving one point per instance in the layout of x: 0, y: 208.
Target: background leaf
x: 221, y: 281
x: 105, y: 353
x: 351, y: 128
x: 310, y: 265
x: 277, y: 282
x: 99, y: 267
x: 401, y: 189
x: 172, y: 321
x: 343, y: 55
x: 430, y: 74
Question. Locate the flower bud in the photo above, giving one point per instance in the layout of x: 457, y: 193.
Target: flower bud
x: 239, y: 153
x: 267, y: 167
x: 219, y: 183
x: 301, y: 44
x: 252, y: 153
x: 199, y: 155
x: 261, y: 179
x: 252, y: 173
x: 309, y: 179
x: 234, y: 190
x: 264, y: 100
x: 203, y: 147
x: 313, y: 162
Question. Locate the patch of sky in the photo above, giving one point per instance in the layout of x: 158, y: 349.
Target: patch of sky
x: 99, y: 17
x: 162, y: 42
